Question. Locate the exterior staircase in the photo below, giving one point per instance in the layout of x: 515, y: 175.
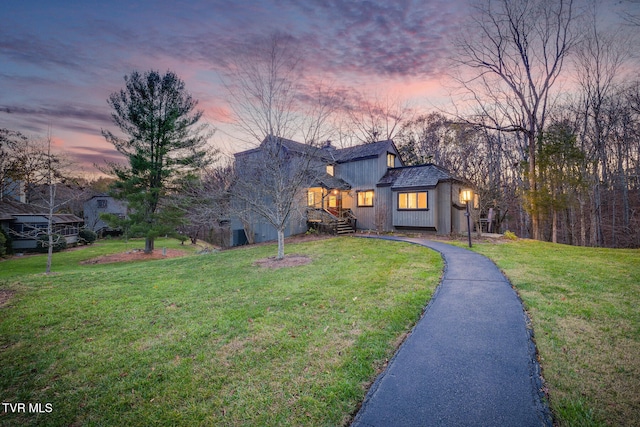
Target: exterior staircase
x: 327, y: 222
x: 344, y: 227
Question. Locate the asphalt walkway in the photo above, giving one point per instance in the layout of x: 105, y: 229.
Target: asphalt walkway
x: 469, y: 361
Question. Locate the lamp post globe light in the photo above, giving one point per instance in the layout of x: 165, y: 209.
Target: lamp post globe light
x: 466, y: 196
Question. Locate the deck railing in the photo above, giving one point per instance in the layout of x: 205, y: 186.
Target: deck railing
x: 324, y: 220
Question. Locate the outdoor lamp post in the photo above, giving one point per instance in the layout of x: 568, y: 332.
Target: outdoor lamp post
x: 466, y: 196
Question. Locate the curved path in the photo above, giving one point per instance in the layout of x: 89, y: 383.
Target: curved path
x: 469, y: 361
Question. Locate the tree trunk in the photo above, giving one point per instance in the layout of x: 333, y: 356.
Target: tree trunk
x: 583, y: 225
x: 596, y: 217
x: 571, y: 225
x: 148, y: 245
x: 612, y: 203
x: 535, y: 215
x: 280, y: 244
x: 52, y: 201
x: 50, y: 248
x: 554, y: 226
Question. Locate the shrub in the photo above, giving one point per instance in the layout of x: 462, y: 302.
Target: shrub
x: 87, y: 236
x: 3, y: 245
x: 8, y: 242
x: 43, y: 241
x: 510, y: 235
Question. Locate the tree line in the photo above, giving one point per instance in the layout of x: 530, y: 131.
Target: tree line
x: 551, y: 133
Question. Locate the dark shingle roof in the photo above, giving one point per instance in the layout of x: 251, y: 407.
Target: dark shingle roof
x: 9, y: 209
x: 327, y: 152
x: 328, y: 181
x: 360, y: 152
x: 415, y: 176
x: 291, y: 146
x: 66, y: 219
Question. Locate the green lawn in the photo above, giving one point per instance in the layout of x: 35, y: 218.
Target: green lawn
x: 68, y: 260
x: 207, y: 339
x: 213, y: 339
x: 585, y: 308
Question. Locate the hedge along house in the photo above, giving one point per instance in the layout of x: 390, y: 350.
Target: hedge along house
x: 368, y: 187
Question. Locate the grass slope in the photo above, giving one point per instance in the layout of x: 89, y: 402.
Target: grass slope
x: 585, y: 308
x: 208, y: 339
x: 68, y: 260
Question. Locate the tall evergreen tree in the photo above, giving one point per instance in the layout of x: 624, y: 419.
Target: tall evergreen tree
x: 163, y: 143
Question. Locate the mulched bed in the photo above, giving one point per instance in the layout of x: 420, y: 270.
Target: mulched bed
x: 288, y: 261
x: 135, y: 255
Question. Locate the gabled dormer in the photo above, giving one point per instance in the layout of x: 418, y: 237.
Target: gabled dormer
x: 366, y: 164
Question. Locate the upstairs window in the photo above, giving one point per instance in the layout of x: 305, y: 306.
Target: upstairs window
x: 365, y: 198
x: 102, y: 203
x: 391, y: 160
x: 412, y: 201
x: 330, y: 169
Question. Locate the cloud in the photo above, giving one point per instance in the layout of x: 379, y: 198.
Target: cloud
x: 59, y: 65
x: 37, y: 52
x: 90, y: 157
x: 59, y: 111
x: 393, y: 39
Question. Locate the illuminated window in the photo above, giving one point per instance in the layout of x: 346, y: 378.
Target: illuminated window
x: 391, y: 160
x: 411, y: 201
x: 365, y: 198
x: 333, y: 202
x: 311, y: 198
x: 330, y: 169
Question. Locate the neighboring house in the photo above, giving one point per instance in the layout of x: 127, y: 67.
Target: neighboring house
x: 99, y: 204
x: 367, y: 187
x: 13, y: 190
x: 25, y: 223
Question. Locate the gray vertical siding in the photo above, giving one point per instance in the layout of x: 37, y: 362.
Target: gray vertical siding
x: 265, y: 232
x: 417, y: 218
x: 385, y: 208
x: 363, y: 175
x: 92, y: 211
x: 444, y: 208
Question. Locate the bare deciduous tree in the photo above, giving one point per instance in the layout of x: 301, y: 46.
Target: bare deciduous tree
x: 272, y: 103
x: 376, y: 118
x: 53, y: 173
x: 599, y: 59
x: 23, y: 163
x: 205, y: 202
x: 10, y: 144
x: 509, y: 59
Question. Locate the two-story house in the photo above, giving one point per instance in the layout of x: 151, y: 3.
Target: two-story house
x: 368, y: 187
x: 99, y: 204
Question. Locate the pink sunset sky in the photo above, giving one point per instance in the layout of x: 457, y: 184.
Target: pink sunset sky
x: 60, y: 60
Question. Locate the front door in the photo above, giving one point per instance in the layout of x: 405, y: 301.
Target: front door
x: 334, y: 202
